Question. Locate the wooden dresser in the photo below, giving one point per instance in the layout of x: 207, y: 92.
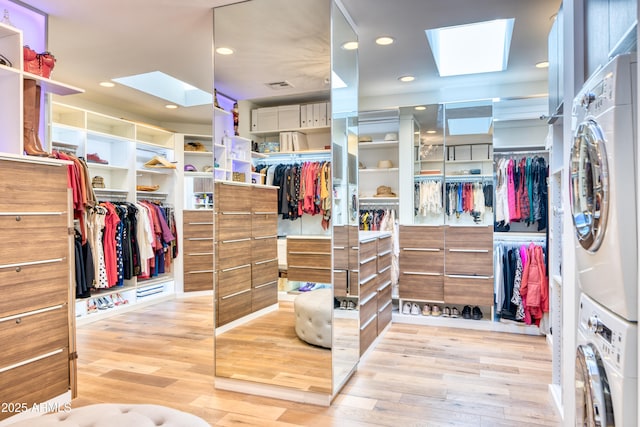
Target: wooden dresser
x: 309, y: 258
x: 37, y: 317
x: 198, y: 249
x: 421, y: 263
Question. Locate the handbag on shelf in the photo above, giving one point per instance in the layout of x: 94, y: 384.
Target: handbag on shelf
x: 5, y: 61
x: 40, y: 64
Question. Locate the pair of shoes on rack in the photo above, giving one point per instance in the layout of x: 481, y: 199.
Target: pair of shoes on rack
x: 406, y: 308
x: 104, y: 303
x: 426, y: 310
x: 469, y: 313
x: 309, y: 286
x: 95, y: 158
x: 415, y: 309
x: 446, y: 312
x: 118, y: 299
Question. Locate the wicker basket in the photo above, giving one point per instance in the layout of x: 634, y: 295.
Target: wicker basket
x: 239, y: 177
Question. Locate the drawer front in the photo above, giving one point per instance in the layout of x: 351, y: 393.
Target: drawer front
x: 368, y: 307
x: 33, y: 335
x: 233, y: 226
x: 368, y: 269
x: 384, y: 277
x: 198, y: 281
x: 473, y: 262
x: 422, y: 262
x: 198, y: 245
x: 384, y: 316
x: 384, y: 261
x: 234, y: 280
x: 265, y: 200
x: 469, y: 237
x: 263, y: 249
x: 340, y: 236
x: 385, y: 244
x: 354, y: 287
x: 421, y: 237
x: 264, y: 272
x: 33, y: 286
x: 368, y: 333
x: 339, y: 283
x: 369, y: 287
x: 421, y: 287
x: 24, y: 237
x: 197, y: 223
x: 309, y: 245
x: 305, y: 259
x: 309, y: 275
x: 20, y: 193
x: 468, y: 290
x: 354, y: 258
x: 384, y: 294
x: 203, y: 262
x: 197, y: 216
x: 368, y: 249
x: 341, y: 258
x: 233, y: 198
x: 264, y: 225
x: 264, y: 295
x: 234, y: 307
x: 35, y: 382
x: 233, y: 253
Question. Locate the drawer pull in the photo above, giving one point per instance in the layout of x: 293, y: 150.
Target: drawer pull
x: 368, y: 322
x: 421, y: 249
x: 266, y: 213
x: 339, y: 247
x: 235, y: 213
x: 31, y: 313
x: 18, y: 320
x: 236, y: 294
x: 236, y: 240
x: 266, y: 284
x: 369, y: 298
x: 384, y: 269
x: 33, y: 359
x: 309, y: 253
x: 275, y: 236
x: 467, y: 276
x: 24, y: 264
x: 266, y: 262
x: 368, y: 260
x: 197, y: 239
x: 199, y: 271
x: 420, y: 273
x: 368, y: 279
x: 306, y: 267
x: 18, y: 215
x: 384, y: 307
x: 384, y: 253
x: 18, y: 269
x: 236, y: 268
x: 355, y: 248
x: 18, y: 218
x: 200, y: 223
x: 199, y: 254
x: 471, y: 251
x: 383, y: 287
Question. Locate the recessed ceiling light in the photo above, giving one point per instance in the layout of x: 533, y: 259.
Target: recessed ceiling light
x: 107, y: 84
x: 431, y: 131
x: 542, y: 64
x: 406, y: 79
x: 416, y: 133
x: 350, y: 45
x: 420, y: 108
x: 481, y: 47
x: 384, y: 40
x: 224, y: 51
x: 171, y: 106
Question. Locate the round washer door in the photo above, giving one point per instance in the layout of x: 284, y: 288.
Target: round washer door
x: 593, y: 397
x: 589, y: 192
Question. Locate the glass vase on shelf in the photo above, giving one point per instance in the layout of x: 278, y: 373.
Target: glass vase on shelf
x: 5, y: 19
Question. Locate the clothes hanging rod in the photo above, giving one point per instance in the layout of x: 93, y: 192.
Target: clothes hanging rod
x: 371, y: 204
x: 541, y: 150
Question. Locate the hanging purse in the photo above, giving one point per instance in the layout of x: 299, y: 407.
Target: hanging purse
x: 5, y: 61
x: 46, y: 61
x: 31, y: 64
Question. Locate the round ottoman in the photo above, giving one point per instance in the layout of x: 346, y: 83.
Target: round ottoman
x: 313, y: 311
x: 116, y: 415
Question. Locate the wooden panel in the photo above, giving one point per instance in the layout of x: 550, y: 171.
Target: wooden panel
x: 368, y: 249
x: 264, y: 225
x: 198, y: 245
x: 236, y: 279
x: 354, y: 283
x: 198, y: 229
x: 301, y: 259
x: 468, y: 290
x: 29, y: 187
x: 340, y: 236
x: 202, y: 262
x: 198, y: 281
x: 421, y: 288
x: 264, y: 296
x: 263, y: 249
x: 232, y: 254
x: 468, y: 262
x: 233, y: 198
x: 368, y: 307
x: 384, y: 276
x: 321, y: 245
x: 32, y: 242
x: 309, y: 275
x: 469, y: 237
x: 232, y: 226
x: 30, y: 287
x: 339, y: 283
x: 234, y: 307
x: 385, y: 243
x: 195, y: 217
x: 35, y: 382
x: 384, y: 261
x: 421, y: 261
x: 265, y: 200
x: 368, y: 269
x: 264, y: 271
x: 354, y: 258
x: 341, y: 258
x: 421, y: 236
x: 384, y: 316
x: 384, y: 294
x: 369, y: 287
x: 32, y: 335
x: 368, y: 333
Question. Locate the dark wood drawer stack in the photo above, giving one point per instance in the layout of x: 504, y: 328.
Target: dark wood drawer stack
x: 309, y: 258
x: 198, y: 249
x: 264, y: 235
x: 340, y: 260
x: 421, y: 263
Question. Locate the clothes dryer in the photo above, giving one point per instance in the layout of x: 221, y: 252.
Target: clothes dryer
x: 603, y: 190
x: 606, y: 369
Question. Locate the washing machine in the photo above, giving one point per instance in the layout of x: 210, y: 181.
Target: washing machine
x: 603, y: 188
x: 606, y: 368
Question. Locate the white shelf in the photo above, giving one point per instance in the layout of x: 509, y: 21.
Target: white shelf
x: 199, y: 174
x: 302, y: 130
x: 298, y: 153
x: 380, y: 199
x: 240, y: 138
x: 428, y: 161
x: 377, y: 144
x: 367, y: 170
x: 152, y: 193
x: 106, y: 167
x: 52, y: 86
x: 198, y: 153
x: 159, y: 171
x: 468, y: 161
x: 110, y: 190
x: 221, y: 112
x: 256, y: 155
x: 241, y: 161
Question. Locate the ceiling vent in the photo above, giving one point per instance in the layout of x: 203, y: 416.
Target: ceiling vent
x: 279, y: 85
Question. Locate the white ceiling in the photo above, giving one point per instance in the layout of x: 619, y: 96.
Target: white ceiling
x: 99, y: 40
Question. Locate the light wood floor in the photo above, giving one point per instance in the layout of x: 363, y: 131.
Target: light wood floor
x: 416, y: 376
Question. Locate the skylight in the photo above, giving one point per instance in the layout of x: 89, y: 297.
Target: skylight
x: 169, y: 88
x: 481, y: 47
x: 469, y: 126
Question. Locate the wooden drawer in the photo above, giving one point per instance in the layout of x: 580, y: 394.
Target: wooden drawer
x: 198, y: 281
x: 35, y: 382
x: 33, y: 187
x: 369, y: 287
x: 354, y: 284
x: 368, y: 307
x: 340, y: 237
x: 24, y: 237
x: 201, y: 262
x: 318, y: 245
x: 384, y: 261
x: 354, y: 258
x: 234, y: 306
x: 264, y: 272
x: 308, y: 260
x: 264, y: 248
x: 472, y: 262
x: 340, y: 283
x: 264, y: 295
x: 198, y: 229
x: 469, y: 237
x: 265, y: 200
x: 384, y: 294
x: 368, y: 268
x: 384, y: 276
x: 264, y: 225
x: 368, y: 249
x: 468, y: 290
x: 384, y: 316
x: 233, y: 226
x: 341, y: 258
x: 198, y: 245
x: 33, y: 286
x: 309, y: 274
x: 385, y: 244
x: 233, y: 198
x: 31, y: 335
x: 193, y: 222
x: 420, y: 261
x: 233, y: 253
x: 421, y: 287
x: 368, y: 333
x: 234, y: 280
x: 421, y: 236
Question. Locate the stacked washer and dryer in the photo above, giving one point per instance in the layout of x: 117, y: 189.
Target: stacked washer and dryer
x: 603, y: 198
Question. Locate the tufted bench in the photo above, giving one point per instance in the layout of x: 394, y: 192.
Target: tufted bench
x: 116, y: 415
x: 313, y: 311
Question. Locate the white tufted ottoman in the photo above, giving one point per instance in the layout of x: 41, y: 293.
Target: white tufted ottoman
x: 116, y: 415
x: 313, y: 312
